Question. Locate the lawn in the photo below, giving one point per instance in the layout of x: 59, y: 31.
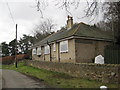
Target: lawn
x: 57, y: 79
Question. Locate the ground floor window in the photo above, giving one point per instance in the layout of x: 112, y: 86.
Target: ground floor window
x: 64, y: 46
x: 54, y: 47
x: 34, y: 51
x: 46, y: 49
x: 39, y: 51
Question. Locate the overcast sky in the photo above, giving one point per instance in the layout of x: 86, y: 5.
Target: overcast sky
x: 26, y: 16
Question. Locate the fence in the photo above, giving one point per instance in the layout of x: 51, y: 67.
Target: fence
x: 111, y: 54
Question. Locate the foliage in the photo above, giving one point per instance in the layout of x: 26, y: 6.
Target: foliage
x: 57, y: 79
x: 111, y: 20
x: 12, y: 47
x: 111, y: 11
x: 5, y: 49
x: 25, y: 43
x: 10, y: 59
x: 113, y: 15
x: 41, y: 31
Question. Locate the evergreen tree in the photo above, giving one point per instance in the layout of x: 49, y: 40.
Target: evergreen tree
x: 12, y: 47
x: 5, y: 49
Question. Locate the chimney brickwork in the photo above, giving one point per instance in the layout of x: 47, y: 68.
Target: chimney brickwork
x: 69, y: 22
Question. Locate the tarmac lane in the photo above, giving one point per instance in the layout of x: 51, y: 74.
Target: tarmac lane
x: 13, y: 79
x: 0, y: 79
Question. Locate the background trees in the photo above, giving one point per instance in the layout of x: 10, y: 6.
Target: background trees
x: 112, y: 15
x: 25, y: 43
x: 111, y: 19
x: 44, y: 29
x: 11, y: 47
x: 5, y: 49
x: 92, y: 9
x: 41, y: 30
x: 110, y: 10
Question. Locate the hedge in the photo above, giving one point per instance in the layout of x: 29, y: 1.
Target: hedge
x: 11, y: 59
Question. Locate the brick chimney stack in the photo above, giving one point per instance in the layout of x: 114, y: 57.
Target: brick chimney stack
x: 69, y: 22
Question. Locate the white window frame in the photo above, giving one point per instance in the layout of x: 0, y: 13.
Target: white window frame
x: 34, y: 51
x: 46, y: 49
x: 54, y: 47
x: 39, y: 51
x: 64, y: 46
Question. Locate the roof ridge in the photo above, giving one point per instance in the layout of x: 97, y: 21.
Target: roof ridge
x: 51, y: 35
x: 44, y: 38
x: 54, y: 34
x: 76, y: 29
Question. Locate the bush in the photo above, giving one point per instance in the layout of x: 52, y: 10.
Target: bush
x: 11, y: 59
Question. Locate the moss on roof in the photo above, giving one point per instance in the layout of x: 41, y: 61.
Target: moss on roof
x: 80, y: 30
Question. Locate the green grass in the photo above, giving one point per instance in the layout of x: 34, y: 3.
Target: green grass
x: 57, y: 79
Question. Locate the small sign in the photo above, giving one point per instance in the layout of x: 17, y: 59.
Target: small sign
x: 99, y: 59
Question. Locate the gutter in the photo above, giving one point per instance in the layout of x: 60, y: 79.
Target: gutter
x: 71, y: 37
x: 91, y: 38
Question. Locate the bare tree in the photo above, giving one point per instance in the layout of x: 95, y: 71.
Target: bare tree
x: 111, y: 11
x: 46, y: 26
x: 112, y: 18
x: 91, y: 8
x: 41, y: 5
x: 43, y: 29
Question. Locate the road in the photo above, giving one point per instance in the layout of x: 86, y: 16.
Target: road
x: 13, y: 79
x: 0, y: 78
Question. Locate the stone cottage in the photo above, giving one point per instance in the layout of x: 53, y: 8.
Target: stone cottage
x: 78, y: 43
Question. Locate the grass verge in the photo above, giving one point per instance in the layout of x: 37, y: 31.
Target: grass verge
x: 57, y: 79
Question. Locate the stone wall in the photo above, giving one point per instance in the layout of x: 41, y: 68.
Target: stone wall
x: 107, y: 73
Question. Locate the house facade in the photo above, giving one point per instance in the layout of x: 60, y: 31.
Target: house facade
x: 78, y: 43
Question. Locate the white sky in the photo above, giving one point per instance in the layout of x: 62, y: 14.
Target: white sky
x: 26, y: 16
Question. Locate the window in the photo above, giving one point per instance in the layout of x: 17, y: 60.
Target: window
x: 54, y: 47
x: 34, y: 51
x: 39, y: 51
x: 64, y: 46
x: 46, y: 49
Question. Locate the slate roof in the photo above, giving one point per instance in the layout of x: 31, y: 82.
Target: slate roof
x: 79, y: 30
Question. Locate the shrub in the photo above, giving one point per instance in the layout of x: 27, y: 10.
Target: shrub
x: 11, y: 59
